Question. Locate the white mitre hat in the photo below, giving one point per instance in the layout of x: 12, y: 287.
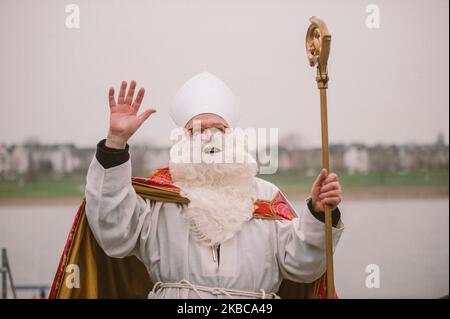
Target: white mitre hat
x: 204, y: 93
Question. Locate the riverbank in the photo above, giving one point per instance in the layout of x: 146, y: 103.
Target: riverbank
x: 378, y: 192
x: 292, y: 193
x: 389, y: 185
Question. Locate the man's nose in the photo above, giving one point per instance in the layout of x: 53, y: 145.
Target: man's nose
x: 206, y: 135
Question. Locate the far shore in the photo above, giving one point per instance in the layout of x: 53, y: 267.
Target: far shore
x: 293, y: 193
x: 378, y: 192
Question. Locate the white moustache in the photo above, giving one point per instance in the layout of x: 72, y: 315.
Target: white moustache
x: 211, y: 149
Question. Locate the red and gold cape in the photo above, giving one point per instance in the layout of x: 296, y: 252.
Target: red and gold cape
x: 101, y: 276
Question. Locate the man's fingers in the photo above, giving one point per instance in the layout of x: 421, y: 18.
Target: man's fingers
x: 123, y: 87
x: 333, y: 193
x: 137, y: 102
x: 331, y: 201
x: 144, y: 115
x: 130, y: 93
x: 329, y: 187
x: 112, y: 101
x: 320, y: 178
x: 331, y: 178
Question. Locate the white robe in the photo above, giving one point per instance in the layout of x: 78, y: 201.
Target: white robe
x: 257, y: 257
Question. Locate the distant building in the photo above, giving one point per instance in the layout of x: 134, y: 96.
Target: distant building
x: 54, y: 159
x: 5, y: 161
x: 33, y: 160
x: 82, y: 159
x: 20, y: 160
x: 356, y: 159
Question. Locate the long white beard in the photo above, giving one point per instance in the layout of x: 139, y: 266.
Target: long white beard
x: 221, y: 194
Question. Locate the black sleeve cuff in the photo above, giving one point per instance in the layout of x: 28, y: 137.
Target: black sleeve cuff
x: 335, y: 214
x: 110, y: 157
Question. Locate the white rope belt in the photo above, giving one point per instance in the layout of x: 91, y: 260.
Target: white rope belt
x: 215, y: 291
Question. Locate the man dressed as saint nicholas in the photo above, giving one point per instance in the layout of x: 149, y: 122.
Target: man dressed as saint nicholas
x: 204, y: 227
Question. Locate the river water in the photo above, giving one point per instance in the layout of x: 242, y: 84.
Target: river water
x: 407, y: 241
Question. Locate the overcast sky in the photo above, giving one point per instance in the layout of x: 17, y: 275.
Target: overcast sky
x: 388, y: 85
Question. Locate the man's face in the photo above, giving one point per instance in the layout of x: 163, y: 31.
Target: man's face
x: 209, y: 146
x: 211, y: 127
